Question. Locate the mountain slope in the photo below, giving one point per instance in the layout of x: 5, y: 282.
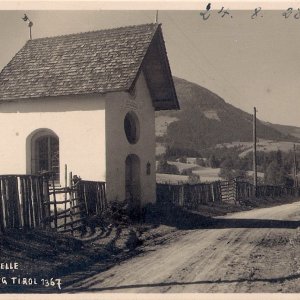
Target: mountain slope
x: 285, y: 129
x: 205, y: 120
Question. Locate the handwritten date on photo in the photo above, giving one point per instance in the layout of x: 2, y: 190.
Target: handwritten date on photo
x: 24, y: 281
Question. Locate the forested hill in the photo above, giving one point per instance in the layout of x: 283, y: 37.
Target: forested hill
x: 205, y: 120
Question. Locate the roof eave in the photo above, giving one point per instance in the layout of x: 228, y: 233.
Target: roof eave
x: 169, y: 73
x: 175, y: 103
x: 5, y: 100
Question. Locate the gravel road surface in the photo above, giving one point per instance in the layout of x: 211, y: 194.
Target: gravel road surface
x: 252, y: 251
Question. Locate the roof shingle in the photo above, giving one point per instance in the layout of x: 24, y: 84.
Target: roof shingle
x: 84, y: 63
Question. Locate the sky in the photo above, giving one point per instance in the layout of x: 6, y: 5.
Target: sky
x: 248, y: 62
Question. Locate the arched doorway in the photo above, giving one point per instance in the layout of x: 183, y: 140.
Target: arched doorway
x: 132, y: 182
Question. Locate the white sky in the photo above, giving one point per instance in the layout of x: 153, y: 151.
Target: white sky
x: 247, y: 62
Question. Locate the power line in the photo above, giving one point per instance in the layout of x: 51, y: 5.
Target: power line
x: 192, y: 44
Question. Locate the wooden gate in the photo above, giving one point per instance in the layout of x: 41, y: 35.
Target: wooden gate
x: 71, y: 206
x: 229, y: 190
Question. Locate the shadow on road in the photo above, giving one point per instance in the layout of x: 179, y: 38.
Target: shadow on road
x: 183, y: 219
x: 176, y: 283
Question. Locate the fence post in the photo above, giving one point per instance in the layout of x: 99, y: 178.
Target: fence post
x: 66, y: 197
x: 2, y: 215
x: 55, y: 204
x: 71, y: 202
x: 235, y: 190
x: 182, y: 195
x: 212, y: 191
x: 46, y: 202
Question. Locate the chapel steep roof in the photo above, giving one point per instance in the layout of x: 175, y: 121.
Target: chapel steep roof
x: 90, y: 63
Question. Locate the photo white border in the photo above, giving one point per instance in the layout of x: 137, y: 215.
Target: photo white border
x: 144, y: 5
x: 148, y: 5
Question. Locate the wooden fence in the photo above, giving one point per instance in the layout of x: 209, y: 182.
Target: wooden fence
x: 21, y: 202
x: 28, y: 201
x: 189, y: 195
x: 192, y: 196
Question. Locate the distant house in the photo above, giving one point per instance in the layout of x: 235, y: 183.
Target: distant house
x: 87, y: 101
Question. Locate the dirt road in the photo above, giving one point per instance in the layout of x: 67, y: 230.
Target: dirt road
x: 252, y: 251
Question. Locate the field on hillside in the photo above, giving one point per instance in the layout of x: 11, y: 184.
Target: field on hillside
x: 206, y: 174
x: 184, y: 166
x: 247, y: 147
x: 171, y: 178
x: 262, y: 145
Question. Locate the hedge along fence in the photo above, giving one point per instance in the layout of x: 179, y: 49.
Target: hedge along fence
x: 191, y: 196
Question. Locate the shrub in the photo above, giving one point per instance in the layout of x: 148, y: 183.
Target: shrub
x: 166, y: 168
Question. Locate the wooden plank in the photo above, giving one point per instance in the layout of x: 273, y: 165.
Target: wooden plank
x: 85, y: 199
x: 26, y: 199
x: 100, y: 194
x: 15, y: 200
x: 36, y: 211
x: 59, y: 201
x: 34, y: 203
x: 61, y: 190
x: 18, y: 202
x: 71, y: 202
x: 10, y: 203
x: 2, y: 215
x: 63, y: 212
x: 104, y: 194
x: 23, y: 204
x: 97, y: 204
x: 54, y: 203
x: 30, y: 204
x: 46, y: 201
x: 66, y: 185
x: 4, y: 202
x: 58, y: 217
x: 41, y: 201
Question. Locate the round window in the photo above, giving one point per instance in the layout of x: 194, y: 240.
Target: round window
x: 131, y: 127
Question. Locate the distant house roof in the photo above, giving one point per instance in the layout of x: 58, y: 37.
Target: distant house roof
x: 92, y: 62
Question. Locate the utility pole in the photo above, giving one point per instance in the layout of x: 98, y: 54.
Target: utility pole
x: 254, y: 152
x: 156, y: 17
x: 295, y: 168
